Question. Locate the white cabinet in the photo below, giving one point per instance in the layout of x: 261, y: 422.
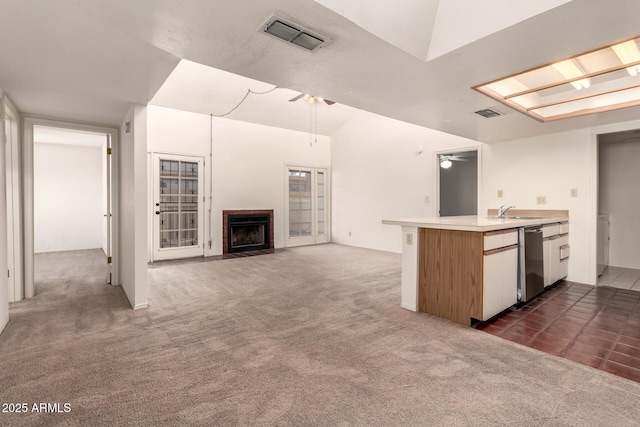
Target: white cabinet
x: 499, y: 272
x: 546, y: 260
x: 556, y: 252
x: 559, y: 262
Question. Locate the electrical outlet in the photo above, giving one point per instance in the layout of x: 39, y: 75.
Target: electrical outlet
x: 427, y: 199
x: 542, y: 200
x: 349, y: 234
x: 499, y: 193
x: 409, y: 239
x: 574, y: 192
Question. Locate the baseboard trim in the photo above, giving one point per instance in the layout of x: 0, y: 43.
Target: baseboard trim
x: 408, y: 307
x: 4, y: 324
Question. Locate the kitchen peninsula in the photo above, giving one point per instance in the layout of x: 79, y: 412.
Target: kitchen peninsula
x: 466, y: 267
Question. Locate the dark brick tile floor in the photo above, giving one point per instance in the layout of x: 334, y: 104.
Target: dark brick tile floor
x: 596, y: 326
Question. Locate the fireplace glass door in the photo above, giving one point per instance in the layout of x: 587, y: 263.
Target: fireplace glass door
x: 178, y: 207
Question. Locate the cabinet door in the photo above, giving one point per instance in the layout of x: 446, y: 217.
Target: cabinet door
x: 554, y: 260
x: 562, y: 268
x: 558, y: 269
x: 509, y: 264
x: 492, y: 285
x: 499, y: 282
x: 546, y: 266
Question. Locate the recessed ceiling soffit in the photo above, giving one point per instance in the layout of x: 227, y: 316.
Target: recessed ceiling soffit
x: 602, y: 79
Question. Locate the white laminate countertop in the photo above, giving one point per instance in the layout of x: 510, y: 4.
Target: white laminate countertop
x: 472, y: 222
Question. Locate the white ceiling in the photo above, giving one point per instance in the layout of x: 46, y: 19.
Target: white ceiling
x: 201, y: 89
x: 90, y: 60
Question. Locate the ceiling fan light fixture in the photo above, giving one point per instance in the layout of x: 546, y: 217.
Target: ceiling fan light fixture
x: 445, y: 163
x: 312, y: 99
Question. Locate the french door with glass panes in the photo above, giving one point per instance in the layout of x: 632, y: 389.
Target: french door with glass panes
x: 178, y: 207
x: 307, y: 206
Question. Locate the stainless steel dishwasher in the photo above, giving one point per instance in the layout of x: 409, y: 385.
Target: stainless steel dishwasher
x: 530, y: 263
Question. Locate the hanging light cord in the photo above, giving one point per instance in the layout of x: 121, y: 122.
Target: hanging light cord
x: 313, y: 124
x: 249, y: 91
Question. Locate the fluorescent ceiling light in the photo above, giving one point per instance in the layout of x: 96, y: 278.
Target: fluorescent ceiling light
x: 628, y: 53
x: 604, y: 77
x: 569, y: 70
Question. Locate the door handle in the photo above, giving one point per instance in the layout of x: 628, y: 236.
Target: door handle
x: 158, y: 212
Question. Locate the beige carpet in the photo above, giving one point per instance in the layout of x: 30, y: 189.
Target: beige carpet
x: 306, y: 336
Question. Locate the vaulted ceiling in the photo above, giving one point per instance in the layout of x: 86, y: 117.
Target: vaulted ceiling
x: 410, y: 60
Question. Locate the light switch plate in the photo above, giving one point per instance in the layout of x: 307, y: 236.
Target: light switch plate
x: 409, y: 238
x: 574, y: 192
x: 499, y: 193
x: 541, y: 200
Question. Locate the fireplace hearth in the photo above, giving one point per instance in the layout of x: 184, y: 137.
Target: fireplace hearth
x: 246, y: 231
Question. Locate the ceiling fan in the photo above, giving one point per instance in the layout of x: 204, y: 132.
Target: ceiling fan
x: 447, y: 159
x: 311, y: 99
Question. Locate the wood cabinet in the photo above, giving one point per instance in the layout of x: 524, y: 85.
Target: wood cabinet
x: 466, y: 274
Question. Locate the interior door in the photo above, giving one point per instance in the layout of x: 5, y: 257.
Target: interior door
x: 10, y: 235
x: 4, y: 293
x: 178, y: 207
x: 14, y: 245
x: 108, y: 217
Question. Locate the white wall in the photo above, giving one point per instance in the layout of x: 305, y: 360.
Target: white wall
x: 378, y: 175
x: 551, y: 165
x: 67, y: 186
x: 248, y: 162
x: 132, y: 208
x: 619, y: 196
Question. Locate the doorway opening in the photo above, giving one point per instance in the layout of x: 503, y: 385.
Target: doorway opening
x: 617, y: 248
x: 70, y: 196
x: 458, y: 179
x: 72, y: 221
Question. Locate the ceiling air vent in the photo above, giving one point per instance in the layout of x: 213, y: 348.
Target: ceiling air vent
x: 293, y: 33
x: 488, y: 113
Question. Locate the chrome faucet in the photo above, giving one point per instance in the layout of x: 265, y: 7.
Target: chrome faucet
x: 503, y: 211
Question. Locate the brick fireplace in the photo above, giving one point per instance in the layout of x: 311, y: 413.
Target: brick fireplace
x: 245, y: 231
